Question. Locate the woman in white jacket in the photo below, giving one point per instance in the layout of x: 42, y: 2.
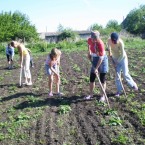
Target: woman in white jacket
x: 24, y: 61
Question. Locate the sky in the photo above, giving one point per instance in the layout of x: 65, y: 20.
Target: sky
x: 47, y: 15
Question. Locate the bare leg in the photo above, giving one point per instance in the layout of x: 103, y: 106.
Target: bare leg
x: 92, y: 86
x: 102, y: 99
x: 104, y: 86
x: 50, y: 83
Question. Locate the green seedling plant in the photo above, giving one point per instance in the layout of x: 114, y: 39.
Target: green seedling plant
x: 114, y: 121
x: 141, y: 114
x: 142, y: 90
x: 1, y: 78
x: 12, y: 89
x: 97, y: 112
x: 110, y: 112
x: 59, y: 122
x: 64, y: 81
x: 32, y: 99
x: 121, y: 139
x: 7, y: 73
x: 73, y: 131
x: 64, y: 109
x: 2, y: 136
x: 98, y: 103
x: 76, y: 68
x: 143, y: 70
x: 134, y: 74
x: 143, y: 106
x: 103, y: 122
x: 22, y: 117
x: 97, y: 91
x: 86, y: 78
x: 131, y: 95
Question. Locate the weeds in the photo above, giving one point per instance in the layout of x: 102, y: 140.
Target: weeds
x: 64, y: 109
x: 121, y: 139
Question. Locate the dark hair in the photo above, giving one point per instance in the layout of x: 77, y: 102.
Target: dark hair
x: 12, y: 43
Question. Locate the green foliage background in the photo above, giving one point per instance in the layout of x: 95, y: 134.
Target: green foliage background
x: 16, y: 26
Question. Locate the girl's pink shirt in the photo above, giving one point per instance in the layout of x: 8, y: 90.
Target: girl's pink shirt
x: 49, y: 61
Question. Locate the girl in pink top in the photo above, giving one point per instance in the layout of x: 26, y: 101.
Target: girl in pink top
x: 52, y: 70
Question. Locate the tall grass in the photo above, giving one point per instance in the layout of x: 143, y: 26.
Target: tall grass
x: 134, y: 42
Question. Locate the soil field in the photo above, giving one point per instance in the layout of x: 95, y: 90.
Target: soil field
x: 29, y: 117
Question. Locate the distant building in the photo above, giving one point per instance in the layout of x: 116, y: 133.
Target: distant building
x: 53, y: 37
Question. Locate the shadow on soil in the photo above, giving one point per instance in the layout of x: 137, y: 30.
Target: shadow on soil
x: 57, y: 101
x: 17, y: 96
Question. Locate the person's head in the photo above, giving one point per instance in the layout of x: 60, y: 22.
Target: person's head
x: 9, y: 45
x: 114, y: 37
x: 95, y: 35
x: 55, y: 53
x: 14, y: 44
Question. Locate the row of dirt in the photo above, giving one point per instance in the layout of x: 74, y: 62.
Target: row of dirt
x: 29, y: 117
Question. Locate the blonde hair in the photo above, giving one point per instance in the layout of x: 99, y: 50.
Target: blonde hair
x: 55, y: 53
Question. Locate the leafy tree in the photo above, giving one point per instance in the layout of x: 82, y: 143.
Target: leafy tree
x: 95, y: 27
x: 60, y: 28
x: 135, y: 21
x: 67, y: 34
x: 113, y: 24
x: 16, y: 25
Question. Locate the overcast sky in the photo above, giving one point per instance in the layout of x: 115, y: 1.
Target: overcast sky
x: 46, y: 15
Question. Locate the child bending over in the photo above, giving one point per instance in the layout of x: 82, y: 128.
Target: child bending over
x: 52, y: 70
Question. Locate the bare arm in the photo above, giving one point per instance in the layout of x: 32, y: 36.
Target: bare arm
x: 21, y: 54
x: 99, y: 62
x: 109, y: 48
x: 89, y: 53
x: 52, y: 69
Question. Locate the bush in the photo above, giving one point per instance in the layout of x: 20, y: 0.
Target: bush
x: 65, y: 45
x: 3, y: 48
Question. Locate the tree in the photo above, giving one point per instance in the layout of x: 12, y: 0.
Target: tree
x: 113, y: 24
x: 67, y: 34
x: 95, y: 27
x: 16, y: 25
x: 135, y: 21
x: 60, y: 28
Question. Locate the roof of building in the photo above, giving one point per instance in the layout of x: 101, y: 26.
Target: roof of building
x: 57, y: 33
